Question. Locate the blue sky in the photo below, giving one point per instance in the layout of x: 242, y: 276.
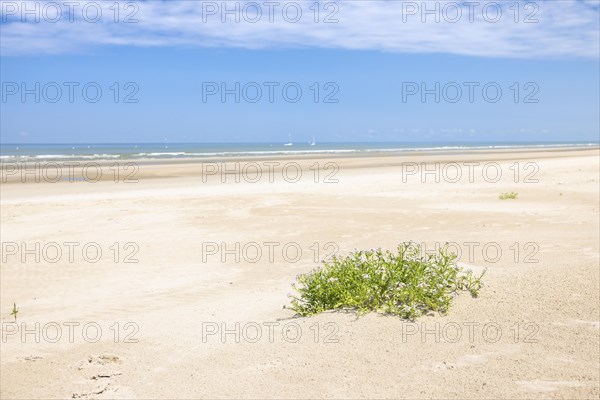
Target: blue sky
x: 374, y: 53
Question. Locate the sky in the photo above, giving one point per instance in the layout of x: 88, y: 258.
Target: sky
x: 348, y: 71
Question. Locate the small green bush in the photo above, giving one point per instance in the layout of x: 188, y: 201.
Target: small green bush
x: 406, y: 283
x: 508, y: 195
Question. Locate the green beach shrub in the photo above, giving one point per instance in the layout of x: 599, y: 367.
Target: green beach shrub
x: 406, y: 283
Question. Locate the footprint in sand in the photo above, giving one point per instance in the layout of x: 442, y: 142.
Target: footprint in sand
x: 95, y: 368
x: 30, y: 358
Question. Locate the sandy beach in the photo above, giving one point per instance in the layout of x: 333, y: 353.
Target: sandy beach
x: 173, y: 278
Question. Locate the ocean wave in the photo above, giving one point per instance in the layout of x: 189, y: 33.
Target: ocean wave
x: 124, y: 153
x: 32, y: 157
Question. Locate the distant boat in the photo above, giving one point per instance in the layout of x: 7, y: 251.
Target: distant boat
x: 312, y: 142
x: 290, y: 141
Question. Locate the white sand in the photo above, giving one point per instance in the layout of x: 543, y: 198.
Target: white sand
x: 548, y: 311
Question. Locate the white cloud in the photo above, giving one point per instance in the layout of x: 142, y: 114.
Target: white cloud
x: 564, y: 28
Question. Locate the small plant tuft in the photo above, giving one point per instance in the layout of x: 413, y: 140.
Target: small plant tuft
x: 508, y: 196
x: 406, y: 283
x: 15, y: 311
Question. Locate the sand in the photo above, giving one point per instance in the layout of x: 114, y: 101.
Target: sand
x: 183, y: 322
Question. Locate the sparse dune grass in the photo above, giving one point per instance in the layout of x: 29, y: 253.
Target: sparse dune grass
x: 508, y: 196
x: 405, y: 283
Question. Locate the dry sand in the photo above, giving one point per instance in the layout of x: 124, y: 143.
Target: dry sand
x: 534, y: 332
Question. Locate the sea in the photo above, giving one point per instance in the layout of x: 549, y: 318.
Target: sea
x: 14, y: 152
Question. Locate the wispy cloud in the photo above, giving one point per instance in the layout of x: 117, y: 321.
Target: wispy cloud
x: 540, y: 29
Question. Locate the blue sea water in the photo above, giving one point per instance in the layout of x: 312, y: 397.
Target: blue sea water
x: 11, y: 152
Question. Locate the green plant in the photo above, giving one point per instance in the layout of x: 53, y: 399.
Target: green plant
x: 15, y: 311
x: 405, y: 283
x: 508, y: 195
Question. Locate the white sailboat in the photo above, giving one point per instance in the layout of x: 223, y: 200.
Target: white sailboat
x: 312, y: 142
x: 289, y: 143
